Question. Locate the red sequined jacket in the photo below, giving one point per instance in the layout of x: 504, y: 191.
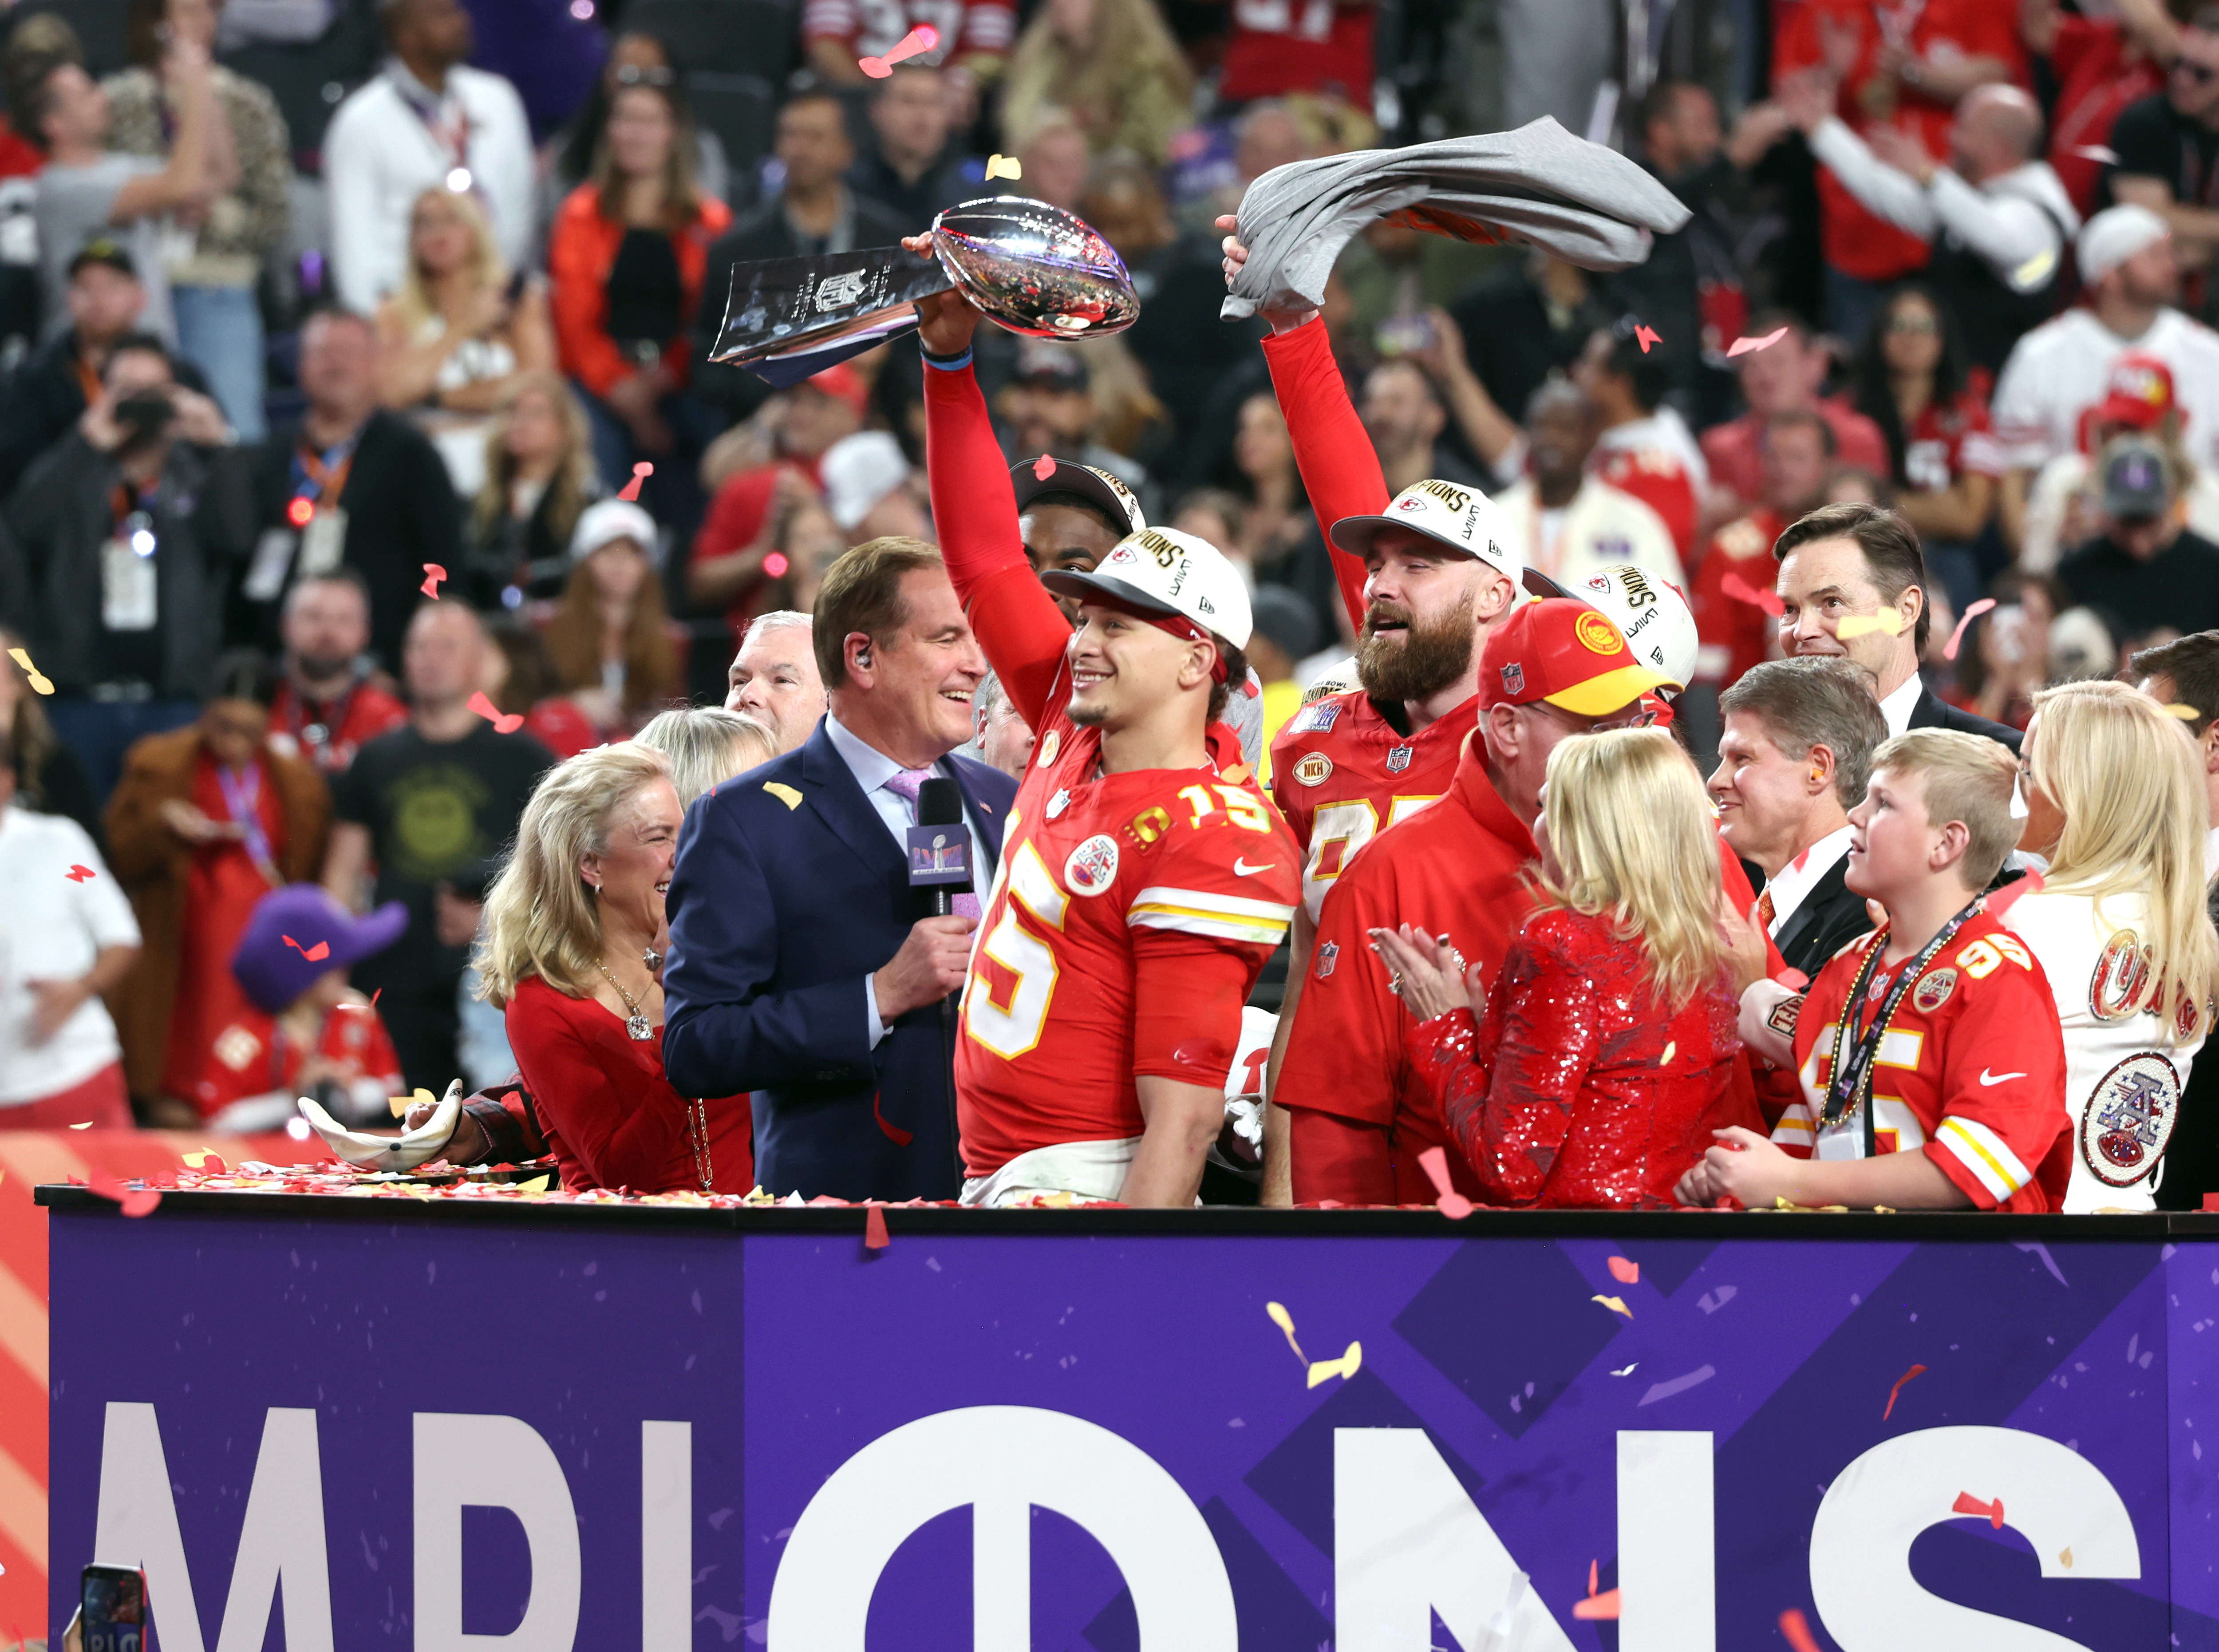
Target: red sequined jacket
x: 1573, y: 1089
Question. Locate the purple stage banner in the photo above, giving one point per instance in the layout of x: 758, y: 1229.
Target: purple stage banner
x: 506, y: 1434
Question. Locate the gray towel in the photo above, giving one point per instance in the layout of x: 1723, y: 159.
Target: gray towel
x: 1540, y: 183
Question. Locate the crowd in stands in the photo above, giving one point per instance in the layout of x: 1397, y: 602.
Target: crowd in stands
x: 333, y: 333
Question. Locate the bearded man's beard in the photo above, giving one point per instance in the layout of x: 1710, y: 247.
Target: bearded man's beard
x: 1398, y: 657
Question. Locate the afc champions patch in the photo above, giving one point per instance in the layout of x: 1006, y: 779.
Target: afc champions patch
x: 1596, y: 634
x: 1315, y: 769
x: 2125, y: 1124
x: 1092, y: 866
x: 1051, y: 743
x: 1933, y: 989
x: 1398, y: 760
x: 1328, y: 956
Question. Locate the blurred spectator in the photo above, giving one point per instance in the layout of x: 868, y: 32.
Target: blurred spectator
x: 773, y: 678
x: 48, y: 776
x: 206, y: 821
x: 301, y: 1030
x: 1216, y: 516
x: 454, y: 338
x: 974, y: 39
x: 869, y: 490
x: 1272, y: 520
x: 216, y: 251
x: 1286, y: 632
x: 1783, y: 377
x: 1909, y: 380
x: 1050, y: 407
x: 64, y: 943
x: 1000, y: 738
x: 1908, y: 73
x: 2004, y: 657
x: 2144, y: 572
x: 813, y: 213
x: 1395, y: 272
x: 1851, y: 485
x: 330, y: 700
x: 610, y: 636
x: 2100, y: 65
x: 914, y: 169
x: 539, y: 475
x: 2059, y: 370
x: 430, y: 806
x: 1731, y: 617
x: 353, y: 485
x: 705, y: 746
x: 1323, y: 47
x: 88, y: 191
x: 1111, y: 66
x: 1054, y: 157
x: 1073, y: 517
x: 2168, y: 144
x: 810, y: 542
x: 130, y: 524
x: 2081, y: 649
x: 738, y: 535
x: 627, y: 256
x: 636, y: 57
x: 1642, y: 444
x: 1406, y: 412
x: 1996, y: 220
x: 1569, y: 520
x: 427, y: 119
x: 521, y: 681
x: 48, y: 392
x: 2062, y: 502
x: 1527, y: 319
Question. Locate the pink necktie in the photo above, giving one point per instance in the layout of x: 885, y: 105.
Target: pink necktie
x: 905, y: 786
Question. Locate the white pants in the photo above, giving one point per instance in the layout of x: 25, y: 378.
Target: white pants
x: 1085, y: 1170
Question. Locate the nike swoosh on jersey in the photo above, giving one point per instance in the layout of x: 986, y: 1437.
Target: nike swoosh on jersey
x: 1987, y: 1077
x: 1242, y: 869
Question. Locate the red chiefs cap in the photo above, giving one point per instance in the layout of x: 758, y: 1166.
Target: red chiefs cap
x: 1567, y: 654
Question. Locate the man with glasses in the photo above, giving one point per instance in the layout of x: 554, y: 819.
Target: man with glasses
x: 2168, y: 144
x: 1549, y: 671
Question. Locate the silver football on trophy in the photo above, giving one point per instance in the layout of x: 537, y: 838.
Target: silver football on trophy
x: 1036, y: 269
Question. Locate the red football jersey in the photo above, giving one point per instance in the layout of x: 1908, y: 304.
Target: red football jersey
x: 1129, y: 918
x: 1658, y: 480
x: 252, y: 1056
x: 1341, y: 774
x: 1971, y: 1070
x: 1946, y: 442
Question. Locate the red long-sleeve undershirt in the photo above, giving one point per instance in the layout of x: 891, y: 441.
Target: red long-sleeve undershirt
x: 1339, y: 466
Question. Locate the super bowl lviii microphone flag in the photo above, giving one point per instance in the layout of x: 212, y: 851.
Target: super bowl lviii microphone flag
x: 1036, y: 269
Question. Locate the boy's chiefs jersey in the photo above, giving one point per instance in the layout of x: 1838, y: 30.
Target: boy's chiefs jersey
x: 1971, y: 1070
x: 1341, y: 775
x: 2123, y: 1073
x: 1129, y: 918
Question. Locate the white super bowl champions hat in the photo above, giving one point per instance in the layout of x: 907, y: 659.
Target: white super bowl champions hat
x: 1460, y: 517
x: 1163, y: 571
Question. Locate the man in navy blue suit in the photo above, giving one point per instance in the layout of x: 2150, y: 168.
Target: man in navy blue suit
x: 803, y: 967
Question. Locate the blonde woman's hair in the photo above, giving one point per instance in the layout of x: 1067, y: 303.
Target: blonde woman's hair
x: 705, y: 746
x: 1633, y: 831
x: 540, y: 917
x: 412, y: 299
x: 1968, y: 778
x: 2126, y: 777
x: 576, y: 482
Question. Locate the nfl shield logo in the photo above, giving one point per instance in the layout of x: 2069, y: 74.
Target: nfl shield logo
x: 1398, y: 760
x: 1514, y: 679
x: 1328, y: 956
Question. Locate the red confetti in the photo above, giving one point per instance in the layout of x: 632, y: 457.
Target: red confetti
x: 1797, y: 1631
x: 893, y: 1133
x: 373, y: 998
x: 2006, y: 898
x: 1972, y: 612
x: 1969, y: 1504
x: 1744, y: 347
x: 1742, y: 591
x: 922, y: 38
x: 433, y: 574
x: 1625, y: 1270
x: 1789, y: 976
x: 775, y: 564
x: 1451, y: 1204
x: 640, y: 473
x: 1603, y: 1605
x: 491, y: 713
x: 135, y: 1201
x: 876, y: 1237
x: 1647, y: 336
x: 314, y: 954
x: 1915, y: 1370
x: 79, y: 874
x: 1044, y: 467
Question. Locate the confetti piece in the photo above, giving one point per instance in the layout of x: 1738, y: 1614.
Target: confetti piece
x: 2185, y: 713
x: 87, y: 1125
x: 1434, y: 1161
x: 2099, y: 153
x: 876, y: 1237
x: 1797, y: 1631
x: 1624, y: 1269
x: 1792, y: 977
x: 1972, y: 612
x: 1628, y: 1371
x: 1645, y: 336
x: 1915, y: 1370
x: 79, y: 874
x: 922, y: 38
x: 1886, y: 620
x: 201, y: 1157
x: 536, y: 1184
x: 134, y: 1201
x: 1746, y: 346
x: 486, y: 709
x: 1671, y: 1386
x: 1615, y: 1304
x: 1044, y: 467
x: 401, y: 1104
x: 890, y: 1131
x: 1285, y: 1321
x: 1969, y: 1504
x: 785, y: 794
x: 1757, y: 596
x: 640, y: 473
x: 2065, y: 1558
x: 373, y: 998
x: 1670, y: 1050
x: 2009, y: 895
x: 1002, y: 166
x: 314, y: 954
x: 39, y: 684
x: 433, y: 574
x: 1603, y: 1605
x: 1346, y: 1367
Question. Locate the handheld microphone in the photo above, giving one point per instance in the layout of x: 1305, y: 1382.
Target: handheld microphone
x: 940, y: 845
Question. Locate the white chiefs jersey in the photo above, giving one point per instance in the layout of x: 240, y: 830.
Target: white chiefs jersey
x: 2123, y: 1075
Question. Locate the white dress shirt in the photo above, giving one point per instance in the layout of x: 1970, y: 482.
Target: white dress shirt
x: 52, y: 928
x: 1897, y: 707
x: 1792, y: 884
x: 872, y: 768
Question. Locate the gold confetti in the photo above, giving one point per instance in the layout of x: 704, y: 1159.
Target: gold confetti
x: 1002, y: 166
x: 1346, y: 1366
x: 1615, y: 1304
x: 87, y: 1125
x: 2065, y: 1558
x: 785, y: 794
x: 1670, y: 1050
x: 1285, y: 1321
x: 1886, y: 620
x: 401, y: 1104
x: 40, y: 684
x: 2185, y: 713
x: 536, y: 1184
x: 198, y: 1157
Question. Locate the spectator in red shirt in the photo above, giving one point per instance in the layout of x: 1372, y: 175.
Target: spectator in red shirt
x: 1732, y: 616
x: 974, y: 39
x: 331, y: 699
x: 2101, y: 65
x: 1903, y: 67
x: 739, y: 534
x: 1783, y: 377
x: 1277, y: 46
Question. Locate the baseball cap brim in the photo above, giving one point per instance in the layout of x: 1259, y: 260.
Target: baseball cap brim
x: 1538, y: 584
x: 1355, y: 534
x: 1070, y: 477
x: 372, y: 933
x: 1612, y: 691
x: 1069, y: 582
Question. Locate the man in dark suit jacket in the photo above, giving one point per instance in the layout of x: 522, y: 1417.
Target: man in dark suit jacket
x: 1853, y: 582
x: 1794, y: 754
x: 802, y: 967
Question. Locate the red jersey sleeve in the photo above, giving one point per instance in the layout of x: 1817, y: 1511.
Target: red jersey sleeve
x: 2003, y: 1080
x: 975, y: 509
x: 1339, y: 466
